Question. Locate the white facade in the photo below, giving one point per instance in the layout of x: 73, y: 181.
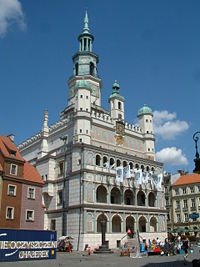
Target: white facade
x: 93, y: 139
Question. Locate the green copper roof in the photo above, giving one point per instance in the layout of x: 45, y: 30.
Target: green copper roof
x: 145, y: 110
x: 86, y: 28
x: 82, y: 84
x: 115, y: 92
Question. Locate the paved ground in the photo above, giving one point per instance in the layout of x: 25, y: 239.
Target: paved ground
x: 78, y: 259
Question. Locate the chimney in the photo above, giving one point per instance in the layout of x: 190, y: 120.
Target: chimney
x: 12, y: 137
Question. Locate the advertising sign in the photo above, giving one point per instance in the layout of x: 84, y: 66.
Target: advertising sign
x: 194, y: 215
x: 18, y: 245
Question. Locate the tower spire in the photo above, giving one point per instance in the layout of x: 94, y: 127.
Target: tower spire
x: 86, y: 28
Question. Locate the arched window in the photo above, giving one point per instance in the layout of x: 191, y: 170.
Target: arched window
x: 101, y: 194
x: 137, y: 166
x: 99, y: 220
x: 91, y: 68
x: 153, y: 225
x: 130, y: 223
x: 131, y: 165
x: 105, y: 159
x: 119, y: 105
x: 116, y: 224
x: 141, y: 198
x: 142, y: 224
x: 142, y: 167
x: 115, y: 197
x: 128, y: 197
x: 147, y: 168
x: 118, y: 163
x: 112, y: 162
x: 98, y: 160
x: 124, y: 163
x: 151, y: 199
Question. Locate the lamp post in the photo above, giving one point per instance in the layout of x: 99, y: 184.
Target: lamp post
x: 64, y: 139
x: 197, y: 159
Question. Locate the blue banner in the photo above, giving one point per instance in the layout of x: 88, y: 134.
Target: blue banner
x: 17, y: 245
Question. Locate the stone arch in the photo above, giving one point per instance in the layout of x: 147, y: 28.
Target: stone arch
x: 116, y: 224
x: 151, y: 199
x: 131, y: 165
x: 101, y: 194
x: 142, y: 224
x: 98, y: 160
x: 112, y: 162
x: 125, y: 163
x: 141, y: 198
x: 153, y: 224
x: 128, y: 197
x: 99, y: 219
x: 115, y: 196
x: 118, y: 163
x: 130, y: 223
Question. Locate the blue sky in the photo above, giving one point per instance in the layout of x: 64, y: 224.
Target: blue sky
x: 150, y: 47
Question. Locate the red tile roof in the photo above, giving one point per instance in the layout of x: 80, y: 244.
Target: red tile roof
x: 9, y: 149
x: 188, y: 179
x: 31, y: 174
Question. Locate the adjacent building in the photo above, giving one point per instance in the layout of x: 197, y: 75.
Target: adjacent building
x: 78, y: 156
x: 186, y: 203
x: 20, y: 190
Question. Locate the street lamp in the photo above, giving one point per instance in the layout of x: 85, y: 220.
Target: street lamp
x: 65, y: 140
x: 197, y: 159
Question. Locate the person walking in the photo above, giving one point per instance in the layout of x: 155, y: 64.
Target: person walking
x: 186, y: 249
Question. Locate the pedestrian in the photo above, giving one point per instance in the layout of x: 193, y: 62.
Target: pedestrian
x: 149, y: 244
x: 186, y: 249
x: 158, y: 242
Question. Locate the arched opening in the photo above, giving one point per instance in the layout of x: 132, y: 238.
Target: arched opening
x: 128, y: 197
x: 152, y: 169
x: 137, y: 166
x: 151, y: 199
x: 91, y: 68
x: 124, y: 163
x: 116, y: 224
x: 76, y: 69
x: 153, y: 225
x: 142, y: 167
x: 131, y: 165
x: 101, y: 194
x: 105, y: 160
x: 142, y: 224
x: 98, y: 160
x: 130, y: 223
x: 119, y: 105
x: 112, y: 162
x: 118, y: 163
x: 147, y: 168
x: 141, y: 198
x: 115, y: 197
x: 99, y: 219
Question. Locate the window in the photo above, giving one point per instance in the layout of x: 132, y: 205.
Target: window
x: 80, y: 140
x: 91, y: 68
x: 167, y: 202
x: 119, y: 116
x: 13, y: 169
x: 192, y: 189
x: 178, y: 204
x: 185, y: 203
x: 53, y: 225
x: 9, y: 213
x: 119, y: 105
x: 30, y: 215
x: 81, y: 109
x: 193, y: 202
x: 177, y: 191
x: 80, y: 130
x: 60, y: 197
x: 31, y: 193
x: 12, y: 190
x: 60, y: 168
x: 186, y: 217
x: 184, y: 190
x: 81, y: 96
x: 86, y: 131
x: 199, y: 188
x: 76, y: 69
x: 86, y: 96
x: 178, y: 217
x: 98, y: 160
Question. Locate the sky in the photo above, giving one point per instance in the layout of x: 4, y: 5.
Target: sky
x: 151, y: 47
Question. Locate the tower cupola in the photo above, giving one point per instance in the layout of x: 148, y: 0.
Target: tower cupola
x: 116, y: 103
x: 85, y: 38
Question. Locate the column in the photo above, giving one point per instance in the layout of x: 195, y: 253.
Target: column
x: 95, y: 222
x: 148, y: 224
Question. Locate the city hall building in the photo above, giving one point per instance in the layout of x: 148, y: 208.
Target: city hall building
x: 78, y: 156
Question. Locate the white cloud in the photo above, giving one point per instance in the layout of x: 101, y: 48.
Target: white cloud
x: 166, y: 126
x: 10, y: 12
x: 172, y: 156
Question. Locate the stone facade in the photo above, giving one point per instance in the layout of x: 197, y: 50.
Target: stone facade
x: 78, y: 155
